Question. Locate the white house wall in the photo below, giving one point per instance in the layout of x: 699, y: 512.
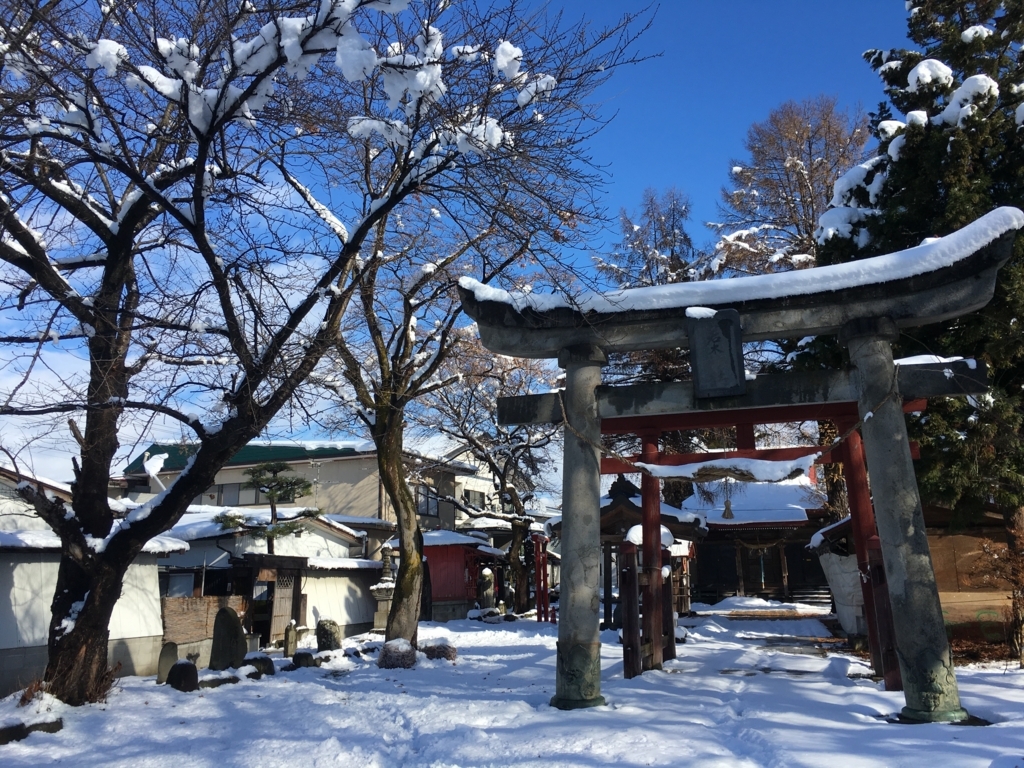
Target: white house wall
x: 342, y: 596
x: 27, y: 583
x: 29, y: 580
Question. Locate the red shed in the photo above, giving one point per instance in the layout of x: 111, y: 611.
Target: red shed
x: 455, y: 561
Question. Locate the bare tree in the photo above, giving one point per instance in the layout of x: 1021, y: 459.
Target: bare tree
x: 173, y: 178
x: 523, y: 190
x: 771, y: 210
x: 515, y: 455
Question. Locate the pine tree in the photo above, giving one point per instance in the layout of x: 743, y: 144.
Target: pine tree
x: 267, y: 479
x: 958, y: 154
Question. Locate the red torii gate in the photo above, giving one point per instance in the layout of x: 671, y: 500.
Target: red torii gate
x: 850, y: 452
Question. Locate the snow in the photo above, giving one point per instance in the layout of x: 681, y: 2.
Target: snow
x: 760, y: 469
x: 343, y: 564
x: 930, y: 360
x: 355, y: 521
x: 889, y: 128
x: 753, y: 604
x: 154, y: 464
x: 200, y: 520
x: 962, y: 102
x: 536, y: 90
x: 106, y: 55
x: 819, y: 537
x: 732, y: 698
x: 785, y: 502
x: 449, y: 538
x: 700, y: 312
x: 975, y: 32
x: 929, y: 72
x: 914, y: 261
x: 507, y: 59
x: 48, y: 540
x: 635, y: 535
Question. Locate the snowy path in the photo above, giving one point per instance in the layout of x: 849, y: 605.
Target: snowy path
x: 768, y: 708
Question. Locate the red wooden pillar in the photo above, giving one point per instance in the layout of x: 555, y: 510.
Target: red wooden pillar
x: 877, y: 611
x: 650, y: 492
x: 745, y: 437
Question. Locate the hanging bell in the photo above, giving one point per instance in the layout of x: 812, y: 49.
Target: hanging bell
x: 727, y: 512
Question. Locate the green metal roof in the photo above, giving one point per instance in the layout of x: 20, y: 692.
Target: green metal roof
x: 178, y: 455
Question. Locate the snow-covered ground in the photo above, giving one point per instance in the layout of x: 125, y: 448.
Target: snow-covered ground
x: 731, y: 699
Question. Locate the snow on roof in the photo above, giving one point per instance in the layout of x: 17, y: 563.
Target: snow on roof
x: 449, y: 538
x: 361, y: 446
x: 200, y: 522
x: 757, y: 503
x: 342, y: 564
x: 26, y: 475
x: 927, y: 257
x: 684, y: 516
x: 493, y: 524
x: 635, y: 535
x: 357, y: 522
x: 48, y: 540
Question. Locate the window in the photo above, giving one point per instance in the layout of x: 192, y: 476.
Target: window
x: 180, y: 584
x: 426, y: 501
x: 475, y: 499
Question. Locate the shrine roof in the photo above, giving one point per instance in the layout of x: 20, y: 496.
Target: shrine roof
x: 783, y: 504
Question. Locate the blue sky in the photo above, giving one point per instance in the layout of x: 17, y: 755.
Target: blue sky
x: 726, y: 65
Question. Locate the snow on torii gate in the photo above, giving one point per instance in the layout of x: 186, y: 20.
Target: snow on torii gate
x: 865, y: 303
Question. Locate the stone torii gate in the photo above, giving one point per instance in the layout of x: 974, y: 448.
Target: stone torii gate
x: 865, y: 303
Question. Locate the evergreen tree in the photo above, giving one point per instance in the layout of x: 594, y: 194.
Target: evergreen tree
x: 957, y: 154
x: 655, y: 249
x: 267, y: 478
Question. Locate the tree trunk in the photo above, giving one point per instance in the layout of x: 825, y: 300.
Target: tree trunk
x: 77, y: 671
x: 403, y: 620
x: 837, y: 505
x: 270, y: 528
x: 1014, y: 521
x: 520, y: 571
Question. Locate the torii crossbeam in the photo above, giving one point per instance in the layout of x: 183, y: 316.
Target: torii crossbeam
x: 865, y: 303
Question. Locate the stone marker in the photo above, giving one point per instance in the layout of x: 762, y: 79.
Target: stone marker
x: 263, y: 663
x: 305, y: 659
x: 183, y: 676
x: 229, y: 646
x: 168, y: 658
x: 291, y: 640
x: 328, y: 635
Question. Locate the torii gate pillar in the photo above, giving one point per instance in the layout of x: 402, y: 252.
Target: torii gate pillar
x: 929, y: 682
x: 578, y: 671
